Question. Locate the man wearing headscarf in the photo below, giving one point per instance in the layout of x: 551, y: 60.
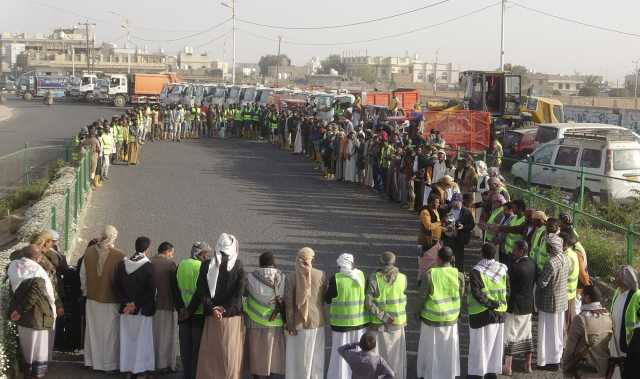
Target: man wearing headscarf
x: 347, y: 316
x: 134, y: 287
x: 386, y: 301
x: 190, y: 325
x: 264, y: 308
x: 33, y: 310
x: 551, y: 301
x: 102, y: 331
x: 305, y: 320
x: 220, y: 287
x: 487, y: 305
x: 624, y: 313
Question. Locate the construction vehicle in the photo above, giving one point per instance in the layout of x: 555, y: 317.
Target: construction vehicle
x: 406, y: 97
x: 498, y: 93
x: 541, y: 110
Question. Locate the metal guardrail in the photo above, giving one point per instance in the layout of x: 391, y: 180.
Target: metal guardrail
x: 24, y: 166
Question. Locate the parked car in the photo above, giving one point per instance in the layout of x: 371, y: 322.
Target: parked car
x: 605, y: 155
x: 517, y: 143
x: 549, y: 132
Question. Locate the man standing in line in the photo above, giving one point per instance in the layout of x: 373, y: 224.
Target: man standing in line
x: 304, y: 290
x: 551, y: 301
x: 165, y: 320
x: 102, y: 333
x: 517, y: 324
x: 190, y: 325
x: 93, y: 146
x: 264, y: 308
x: 348, y: 318
x: 108, y: 148
x: 135, y: 290
x: 386, y: 301
x: 487, y: 302
x: 438, y: 348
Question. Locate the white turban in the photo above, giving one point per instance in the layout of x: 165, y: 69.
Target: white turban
x: 228, y: 245
x: 345, y: 262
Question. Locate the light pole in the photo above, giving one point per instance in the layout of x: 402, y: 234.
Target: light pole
x: 233, y: 28
x: 503, y: 10
x: 125, y: 26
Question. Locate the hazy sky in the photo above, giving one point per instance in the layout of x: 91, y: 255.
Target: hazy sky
x: 539, y: 42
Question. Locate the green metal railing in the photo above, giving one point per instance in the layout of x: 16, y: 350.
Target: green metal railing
x: 74, y: 197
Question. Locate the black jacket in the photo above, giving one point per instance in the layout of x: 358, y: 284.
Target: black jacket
x: 229, y: 289
x: 522, y: 277
x: 137, y: 288
x: 490, y: 316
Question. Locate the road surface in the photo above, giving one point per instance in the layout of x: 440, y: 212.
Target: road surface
x: 269, y: 199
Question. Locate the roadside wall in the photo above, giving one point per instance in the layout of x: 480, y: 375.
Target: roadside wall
x: 629, y: 118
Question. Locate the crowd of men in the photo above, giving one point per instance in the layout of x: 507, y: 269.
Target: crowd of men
x: 136, y: 306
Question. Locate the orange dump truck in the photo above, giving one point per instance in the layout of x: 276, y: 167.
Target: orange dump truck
x: 138, y: 88
x: 407, y: 98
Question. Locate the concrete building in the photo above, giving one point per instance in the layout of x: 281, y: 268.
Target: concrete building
x: 445, y: 75
x: 287, y: 73
x: 107, y: 58
x: 189, y: 60
x: 549, y: 84
x: 60, y: 41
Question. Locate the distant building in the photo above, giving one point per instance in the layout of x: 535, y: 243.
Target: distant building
x: 60, y: 41
x: 188, y: 60
x: 549, y: 84
x: 287, y: 73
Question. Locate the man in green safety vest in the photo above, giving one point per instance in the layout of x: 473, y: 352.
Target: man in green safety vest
x: 514, y: 229
x: 386, y: 302
x: 495, y: 217
x: 441, y: 294
x: 625, y: 312
x: 237, y: 121
x: 569, y: 243
x: 539, y: 247
x: 347, y: 315
x: 264, y: 308
x: 487, y: 304
x: 190, y: 325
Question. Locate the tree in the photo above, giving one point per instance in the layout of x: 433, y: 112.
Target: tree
x: 332, y: 62
x: 366, y: 73
x: 592, y: 86
x: 271, y: 60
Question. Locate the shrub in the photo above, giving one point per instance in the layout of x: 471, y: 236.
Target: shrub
x: 606, y: 251
x: 54, y: 169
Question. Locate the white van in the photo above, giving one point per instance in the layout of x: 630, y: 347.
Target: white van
x: 613, y: 153
x: 549, y: 132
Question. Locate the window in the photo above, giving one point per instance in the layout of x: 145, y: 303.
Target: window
x: 567, y: 156
x: 544, y: 154
x: 591, y: 158
x: 626, y: 159
x: 546, y: 134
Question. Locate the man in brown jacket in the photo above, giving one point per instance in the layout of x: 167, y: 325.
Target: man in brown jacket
x: 102, y: 341
x: 586, y: 352
x: 305, y: 318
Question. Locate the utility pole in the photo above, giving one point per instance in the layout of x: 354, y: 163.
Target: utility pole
x: 503, y: 10
x: 86, y: 25
x: 73, y: 61
x: 278, y: 61
x: 635, y: 91
x: 233, y: 63
x: 126, y: 26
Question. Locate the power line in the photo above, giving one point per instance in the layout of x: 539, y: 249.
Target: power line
x: 184, y: 37
x: 338, y: 26
x: 294, y: 43
x: 574, y: 21
x: 225, y: 34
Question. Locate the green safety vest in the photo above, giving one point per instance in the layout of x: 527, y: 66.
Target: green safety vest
x: 488, y: 236
x: 392, y: 299
x: 444, y: 304
x: 347, y: 309
x: 255, y: 116
x: 510, y: 240
x: 237, y: 115
x: 187, y: 277
x: 246, y: 115
x: 493, y: 291
x: 572, y: 279
x: 261, y: 313
x: 274, y: 122
x: 630, y: 315
x: 539, y: 247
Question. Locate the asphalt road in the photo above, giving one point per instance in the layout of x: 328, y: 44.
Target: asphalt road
x: 269, y: 199
x: 35, y: 124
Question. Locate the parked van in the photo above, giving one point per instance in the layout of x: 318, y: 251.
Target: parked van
x: 549, y: 132
x: 605, y: 155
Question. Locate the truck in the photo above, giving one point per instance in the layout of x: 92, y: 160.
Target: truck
x: 83, y: 88
x: 135, y: 88
x: 32, y: 86
x: 407, y: 98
